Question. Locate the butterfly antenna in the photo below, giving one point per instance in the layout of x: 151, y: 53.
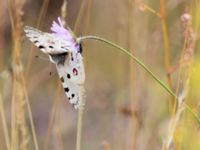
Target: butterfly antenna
x: 45, y: 59
x: 50, y: 68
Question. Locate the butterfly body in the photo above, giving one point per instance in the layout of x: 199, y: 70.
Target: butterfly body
x: 58, y: 58
x: 67, y: 58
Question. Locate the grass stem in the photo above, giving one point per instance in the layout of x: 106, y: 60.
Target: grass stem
x: 5, y: 127
x: 79, y: 128
x: 143, y: 67
x: 166, y: 51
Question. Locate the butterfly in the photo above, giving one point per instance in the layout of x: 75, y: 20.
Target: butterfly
x: 66, y: 54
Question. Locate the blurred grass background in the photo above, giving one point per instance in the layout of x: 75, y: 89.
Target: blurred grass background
x: 125, y: 109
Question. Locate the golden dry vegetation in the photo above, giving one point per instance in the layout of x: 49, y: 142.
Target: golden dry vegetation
x: 126, y: 109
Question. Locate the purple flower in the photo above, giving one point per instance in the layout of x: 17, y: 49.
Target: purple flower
x: 65, y: 34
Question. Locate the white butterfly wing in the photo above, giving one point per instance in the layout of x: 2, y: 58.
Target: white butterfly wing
x: 75, y: 68
x: 69, y: 63
x: 46, y: 42
x: 73, y: 90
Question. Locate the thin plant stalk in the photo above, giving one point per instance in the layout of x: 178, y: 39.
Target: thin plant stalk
x: 5, y: 126
x: 52, y: 116
x: 162, y: 16
x: 39, y: 22
x: 13, y: 117
x: 137, y: 61
x: 59, y: 138
x: 18, y: 123
x: 188, y: 47
x: 19, y: 93
x: 30, y: 117
x: 88, y: 15
x: 133, y: 99
x: 131, y: 56
x: 179, y: 76
x: 166, y: 50
x: 64, y: 11
x: 177, y: 109
x: 79, y: 128
x: 84, y: 4
x: 80, y: 13
x: 151, y: 10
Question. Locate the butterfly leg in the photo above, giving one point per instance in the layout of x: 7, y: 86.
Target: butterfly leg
x: 42, y: 58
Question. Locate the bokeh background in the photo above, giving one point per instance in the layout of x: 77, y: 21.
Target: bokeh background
x: 125, y: 108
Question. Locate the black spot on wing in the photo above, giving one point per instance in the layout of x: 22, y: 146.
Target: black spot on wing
x: 62, y: 79
x: 50, y: 46
x: 36, y: 41
x: 73, y: 95
x: 68, y: 76
x: 41, y: 47
x: 66, y: 89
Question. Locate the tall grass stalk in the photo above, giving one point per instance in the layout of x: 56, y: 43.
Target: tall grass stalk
x: 64, y: 11
x: 133, y: 99
x: 18, y: 112
x: 5, y: 126
x: 42, y: 15
x: 88, y: 16
x: 79, y: 16
x: 184, y: 76
x: 166, y: 51
x: 85, y: 4
x: 144, y: 7
x: 3, y: 11
x: 30, y: 116
x: 19, y: 131
x: 177, y: 108
x: 79, y: 128
x: 52, y: 116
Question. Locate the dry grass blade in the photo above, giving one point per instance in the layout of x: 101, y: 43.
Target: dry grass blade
x: 88, y: 17
x: 184, y: 76
x: 84, y: 5
x: 39, y: 23
x: 5, y: 127
x: 167, y: 54
x: 19, y: 133
x: 79, y: 129
x: 133, y: 99
x: 30, y: 116
x: 52, y: 116
x: 79, y: 17
x: 170, y: 141
x: 18, y: 114
x: 64, y: 11
x: 125, y: 108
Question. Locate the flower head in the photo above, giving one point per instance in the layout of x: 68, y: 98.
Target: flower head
x: 65, y: 34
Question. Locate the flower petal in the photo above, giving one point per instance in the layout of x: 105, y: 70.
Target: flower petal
x: 59, y: 31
